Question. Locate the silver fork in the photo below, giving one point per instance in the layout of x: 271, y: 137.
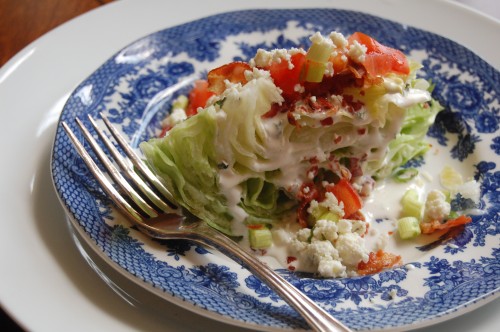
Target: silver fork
x: 159, y: 219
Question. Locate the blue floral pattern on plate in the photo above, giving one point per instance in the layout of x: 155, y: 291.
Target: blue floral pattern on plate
x: 135, y: 88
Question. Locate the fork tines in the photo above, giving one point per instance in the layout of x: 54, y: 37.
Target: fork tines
x: 145, y: 195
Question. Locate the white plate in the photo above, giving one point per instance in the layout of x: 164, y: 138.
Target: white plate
x: 43, y: 253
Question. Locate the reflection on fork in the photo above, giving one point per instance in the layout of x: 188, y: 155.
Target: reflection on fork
x: 141, y: 197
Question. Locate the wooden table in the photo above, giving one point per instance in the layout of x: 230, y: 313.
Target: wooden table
x: 23, y: 21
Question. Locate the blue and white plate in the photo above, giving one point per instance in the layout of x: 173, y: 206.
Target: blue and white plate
x: 443, y: 277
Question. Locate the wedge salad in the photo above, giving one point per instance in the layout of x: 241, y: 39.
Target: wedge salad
x: 283, y: 150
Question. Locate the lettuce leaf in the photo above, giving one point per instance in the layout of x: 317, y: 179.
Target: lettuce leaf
x: 410, y: 142
x: 186, y: 163
x: 264, y: 202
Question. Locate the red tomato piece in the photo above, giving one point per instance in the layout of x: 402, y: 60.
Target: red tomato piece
x: 377, y: 262
x: 377, y: 64
x: 380, y: 59
x: 198, y: 97
x: 372, y: 46
x: 285, y: 78
x: 233, y: 72
x: 346, y: 194
x: 435, y: 225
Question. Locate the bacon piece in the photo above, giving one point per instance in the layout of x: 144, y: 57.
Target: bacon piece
x: 234, y: 72
x: 377, y: 262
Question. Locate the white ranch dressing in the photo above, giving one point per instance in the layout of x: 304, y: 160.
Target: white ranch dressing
x: 381, y: 210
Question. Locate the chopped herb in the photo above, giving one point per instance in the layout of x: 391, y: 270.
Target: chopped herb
x: 220, y: 102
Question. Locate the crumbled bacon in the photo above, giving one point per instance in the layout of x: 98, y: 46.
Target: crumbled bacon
x: 327, y: 121
x: 315, y: 96
x: 291, y: 119
x: 308, y: 192
x: 350, y: 104
x: 353, y: 165
x: 377, y: 262
x: 319, y: 104
x: 314, y: 160
x: 234, y: 72
x: 358, y: 72
x: 276, y: 109
x: 436, y: 225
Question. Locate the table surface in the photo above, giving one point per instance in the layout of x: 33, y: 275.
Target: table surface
x: 23, y: 21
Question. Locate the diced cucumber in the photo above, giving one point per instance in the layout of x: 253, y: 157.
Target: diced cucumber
x: 260, y: 238
x: 319, y: 52
x: 315, y: 71
x: 408, y: 227
x: 321, y: 212
x: 412, y: 206
x: 317, y: 57
x: 329, y: 216
x: 318, y: 211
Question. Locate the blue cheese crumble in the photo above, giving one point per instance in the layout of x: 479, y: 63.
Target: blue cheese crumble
x: 334, y: 248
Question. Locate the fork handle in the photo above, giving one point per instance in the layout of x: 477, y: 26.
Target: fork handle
x: 317, y: 318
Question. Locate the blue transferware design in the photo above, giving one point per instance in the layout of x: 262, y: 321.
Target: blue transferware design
x: 415, y: 162
x: 178, y: 248
x: 495, y: 146
x: 135, y: 88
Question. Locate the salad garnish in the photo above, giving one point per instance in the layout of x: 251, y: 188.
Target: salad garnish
x: 283, y: 150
